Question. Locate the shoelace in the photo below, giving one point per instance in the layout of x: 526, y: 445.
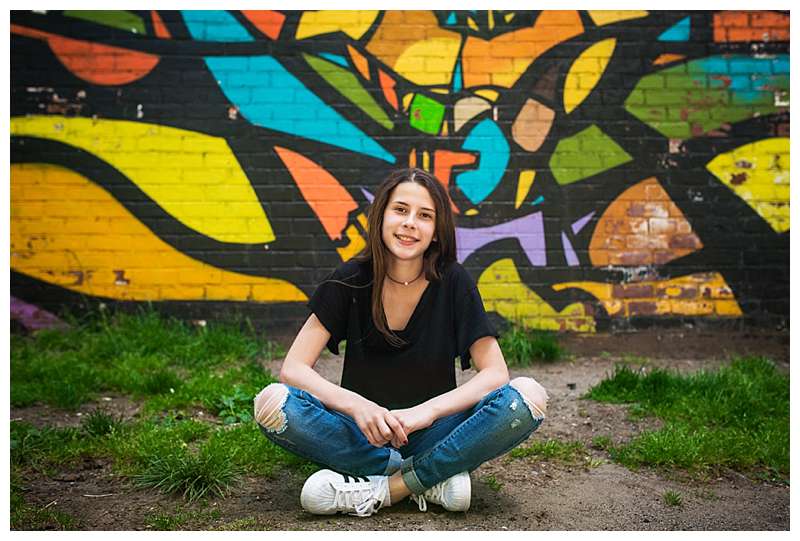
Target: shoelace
x: 359, y: 498
x: 435, y: 493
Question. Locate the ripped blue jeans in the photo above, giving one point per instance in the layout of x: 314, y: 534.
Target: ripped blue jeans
x: 452, y: 444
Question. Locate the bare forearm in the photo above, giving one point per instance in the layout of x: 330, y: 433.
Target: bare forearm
x: 306, y: 378
x: 468, y: 394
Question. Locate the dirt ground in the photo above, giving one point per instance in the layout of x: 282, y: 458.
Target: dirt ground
x: 507, y: 494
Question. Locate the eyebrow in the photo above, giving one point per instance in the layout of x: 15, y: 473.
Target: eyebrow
x: 406, y: 204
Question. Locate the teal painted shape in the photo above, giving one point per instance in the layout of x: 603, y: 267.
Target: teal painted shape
x: 488, y: 139
x: 457, y: 80
x: 207, y: 25
x: 680, y: 31
x: 452, y: 18
x: 335, y: 58
x: 269, y: 96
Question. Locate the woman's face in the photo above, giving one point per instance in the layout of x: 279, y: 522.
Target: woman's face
x: 409, y: 221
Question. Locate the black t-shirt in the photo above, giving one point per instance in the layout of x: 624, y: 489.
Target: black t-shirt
x: 448, y: 319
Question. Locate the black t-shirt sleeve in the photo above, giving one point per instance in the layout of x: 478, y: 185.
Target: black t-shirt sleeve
x: 331, y: 304
x: 471, y: 321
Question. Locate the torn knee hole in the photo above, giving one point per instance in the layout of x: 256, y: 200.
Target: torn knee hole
x: 268, y: 407
x: 534, y: 395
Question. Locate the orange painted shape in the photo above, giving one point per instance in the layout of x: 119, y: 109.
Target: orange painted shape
x: 159, y: 27
x: 667, y: 58
x: 501, y: 61
x: 743, y: 26
x: 443, y: 163
x: 387, y: 85
x: 643, y: 226
x: 268, y: 22
x: 329, y: 200
x: 361, y: 63
x: 94, y: 62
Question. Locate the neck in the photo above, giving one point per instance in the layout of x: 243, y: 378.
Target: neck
x: 404, y: 271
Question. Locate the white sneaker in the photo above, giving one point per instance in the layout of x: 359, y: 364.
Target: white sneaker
x: 453, y: 494
x: 328, y: 492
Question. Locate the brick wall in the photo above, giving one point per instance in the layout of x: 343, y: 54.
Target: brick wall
x: 608, y: 169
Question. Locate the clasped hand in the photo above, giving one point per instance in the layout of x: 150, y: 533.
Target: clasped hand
x: 382, y: 426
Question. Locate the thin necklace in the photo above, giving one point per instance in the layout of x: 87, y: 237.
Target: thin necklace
x: 405, y: 283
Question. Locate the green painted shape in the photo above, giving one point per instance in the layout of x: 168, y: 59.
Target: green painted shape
x: 426, y: 115
x: 584, y: 154
x: 124, y: 20
x: 682, y: 105
x: 350, y: 87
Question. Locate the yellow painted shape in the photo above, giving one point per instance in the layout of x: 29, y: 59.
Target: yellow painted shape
x: 586, y: 71
x: 363, y: 221
x: 526, y: 178
x: 354, y: 23
x: 488, y: 93
x: 472, y: 24
x: 503, y: 292
x: 356, y: 244
x: 509, y: 16
x: 712, y: 296
x: 759, y: 174
x: 471, y: 212
x: 491, y: 19
x: 68, y: 231
x: 194, y: 177
x: 407, y: 101
x: 604, y: 17
x: 426, y: 160
x: 429, y: 62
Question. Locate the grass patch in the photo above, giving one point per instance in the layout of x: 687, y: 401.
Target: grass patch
x: 737, y: 417
x: 172, y: 369
x: 143, y: 354
x: 492, y: 483
x: 522, y: 346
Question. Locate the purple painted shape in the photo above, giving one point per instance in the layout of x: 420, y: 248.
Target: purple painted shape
x: 529, y: 230
x: 577, y: 226
x: 572, y: 257
x: 33, y: 317
x: 368, y: 195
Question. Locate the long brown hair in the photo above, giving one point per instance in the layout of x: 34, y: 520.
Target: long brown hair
x: 440, y: 252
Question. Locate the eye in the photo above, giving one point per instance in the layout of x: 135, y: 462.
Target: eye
x: 400, y: 209
x: 426, y: 215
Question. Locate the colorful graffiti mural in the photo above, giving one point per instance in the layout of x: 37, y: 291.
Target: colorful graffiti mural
x: 605, y: 167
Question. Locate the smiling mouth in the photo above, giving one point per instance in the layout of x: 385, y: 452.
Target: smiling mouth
x: 405, y: 239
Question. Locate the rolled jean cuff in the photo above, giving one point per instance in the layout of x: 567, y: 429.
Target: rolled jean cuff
x: 410, y: 476
x: 395, y: 461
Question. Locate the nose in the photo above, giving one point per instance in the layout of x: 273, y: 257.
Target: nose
x: 409, y: 221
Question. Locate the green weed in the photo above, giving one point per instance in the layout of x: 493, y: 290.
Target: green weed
x: 210, y: 472
x: 672, y: 498
x: 100, y: 422
x: 737, y: 417
x: 601, y: 443
x: 522, y: 346
x: 492, y: 482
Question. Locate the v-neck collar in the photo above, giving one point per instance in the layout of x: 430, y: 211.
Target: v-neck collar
x: 414, y: 313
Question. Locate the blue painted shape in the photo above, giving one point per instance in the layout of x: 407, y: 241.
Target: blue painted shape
x: 269, y: 96
x: 335, y: 58
x: 457, y: 80
x: 452, y: 18
x: 215, y: 25
x: 678, y: 32
x: 488, y: 139
x: 780, y: 65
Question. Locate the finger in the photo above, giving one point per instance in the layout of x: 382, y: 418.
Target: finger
x: 397, y: 428
x: 386, y: 433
